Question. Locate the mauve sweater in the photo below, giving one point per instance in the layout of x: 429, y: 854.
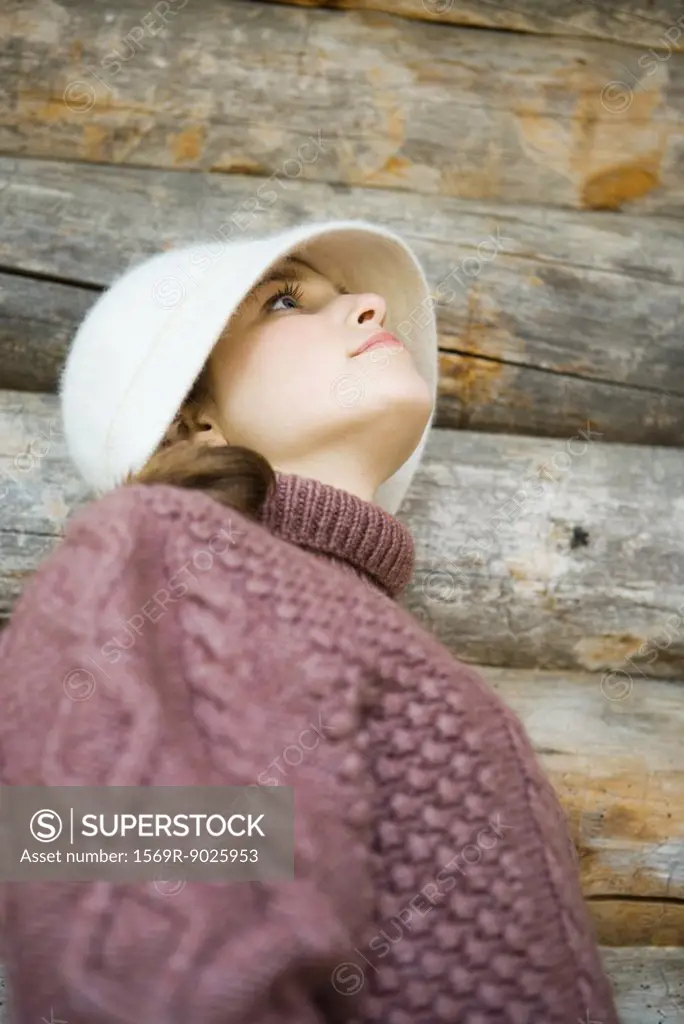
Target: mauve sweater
x: 169, y: 640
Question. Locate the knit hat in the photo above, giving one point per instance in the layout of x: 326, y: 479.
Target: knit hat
x: 142, y: 345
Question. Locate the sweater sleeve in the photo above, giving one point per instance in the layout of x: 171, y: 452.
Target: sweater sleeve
x: 146, y: 650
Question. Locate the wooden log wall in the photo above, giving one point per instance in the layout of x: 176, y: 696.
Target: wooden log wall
x: 411, y: 105
x: 532, y: 154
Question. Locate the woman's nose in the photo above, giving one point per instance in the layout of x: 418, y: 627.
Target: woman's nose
x: 368, y: 308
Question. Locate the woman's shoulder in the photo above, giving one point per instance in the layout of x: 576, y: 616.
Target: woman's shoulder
x: 131, y: 540
x: 135, y: 523
x: 139, y: 511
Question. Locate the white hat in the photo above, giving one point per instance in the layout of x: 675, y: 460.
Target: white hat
x: 140, y: 348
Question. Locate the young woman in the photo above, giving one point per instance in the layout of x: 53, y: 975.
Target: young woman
x: 264, y: 404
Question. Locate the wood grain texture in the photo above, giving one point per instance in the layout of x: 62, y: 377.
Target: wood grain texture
x: 648, y: 984
x: 575, y: 318
x: 618, y: 768
x: 656, y: 24
x: 629, y: 922
x: 37, y: 322
x: 556, y: 554
x: 396, y: 103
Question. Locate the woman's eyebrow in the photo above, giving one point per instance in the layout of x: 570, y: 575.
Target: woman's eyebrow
x: 290, y: 267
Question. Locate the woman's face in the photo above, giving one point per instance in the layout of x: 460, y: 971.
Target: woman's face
x: 287, y: 382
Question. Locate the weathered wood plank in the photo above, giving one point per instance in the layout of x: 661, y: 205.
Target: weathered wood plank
x: 500, y: 397
x: 530, y: 551
x: 576, y: 318
x: 648, y: 984
x: 626, y: 921
x: 556, y: 554
x: 37, y: 321
x: 357, y: 97
x: 658, y: 24
x: 618, y: 768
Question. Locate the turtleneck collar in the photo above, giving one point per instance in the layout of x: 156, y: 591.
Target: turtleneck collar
x: 343, y: 527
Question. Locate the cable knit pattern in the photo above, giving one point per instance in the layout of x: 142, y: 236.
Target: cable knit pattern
x: 435, y: 877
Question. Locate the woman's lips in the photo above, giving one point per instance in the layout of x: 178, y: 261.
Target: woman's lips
x: 381, y: 338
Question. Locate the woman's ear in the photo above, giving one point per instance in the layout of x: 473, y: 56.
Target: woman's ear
x: 208, y: 429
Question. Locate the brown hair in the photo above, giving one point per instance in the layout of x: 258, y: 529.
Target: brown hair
x: 237, y: 477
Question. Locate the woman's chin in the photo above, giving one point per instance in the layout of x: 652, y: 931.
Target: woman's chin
x: 407, y: 394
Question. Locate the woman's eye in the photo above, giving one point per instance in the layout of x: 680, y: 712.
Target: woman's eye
x: 290, y: 294
x: 288, y: 302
